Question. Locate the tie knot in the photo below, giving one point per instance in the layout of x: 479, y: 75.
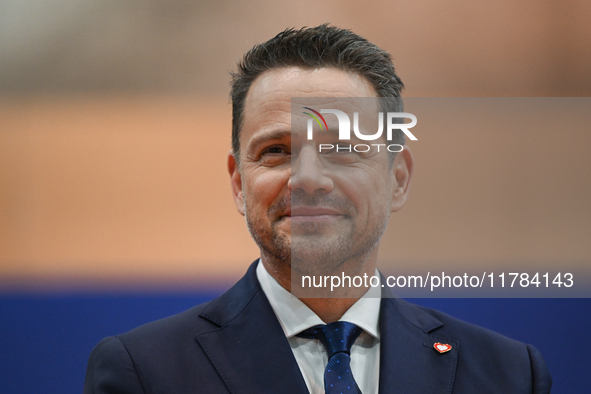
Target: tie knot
x: 337, y: 337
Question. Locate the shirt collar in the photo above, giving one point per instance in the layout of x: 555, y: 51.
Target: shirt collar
x: 295, y: 317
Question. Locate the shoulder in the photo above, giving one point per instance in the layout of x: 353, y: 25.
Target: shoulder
x: 484, y: 353
x: 166, y: 353
x: 175, y: 328
x: 162, y: 354
x: 201, y: 318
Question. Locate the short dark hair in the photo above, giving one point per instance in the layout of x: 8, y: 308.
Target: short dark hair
x: 312, y: 48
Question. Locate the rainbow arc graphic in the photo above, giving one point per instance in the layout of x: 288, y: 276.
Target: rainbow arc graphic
x: 316, y: 117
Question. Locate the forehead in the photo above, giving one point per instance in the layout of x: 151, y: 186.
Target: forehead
x: 268, y: 102
x: 298, y: 82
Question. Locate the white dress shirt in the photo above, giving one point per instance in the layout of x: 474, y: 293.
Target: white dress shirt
x: 310, y: 354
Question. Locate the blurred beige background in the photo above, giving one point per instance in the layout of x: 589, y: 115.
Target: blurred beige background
x: 115, y: 125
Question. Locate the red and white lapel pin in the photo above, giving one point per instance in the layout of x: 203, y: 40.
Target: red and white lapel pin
x: 442, y: 347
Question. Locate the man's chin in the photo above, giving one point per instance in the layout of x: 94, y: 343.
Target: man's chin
x: 311, y: 256
x: 331, y: 227
x: 310, y: 241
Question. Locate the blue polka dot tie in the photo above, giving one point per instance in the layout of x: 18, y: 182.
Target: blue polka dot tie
x: 337, y: 337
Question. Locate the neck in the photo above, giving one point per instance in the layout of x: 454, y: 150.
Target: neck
x: 328, y: 308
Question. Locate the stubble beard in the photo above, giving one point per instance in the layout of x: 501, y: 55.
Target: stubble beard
x: 311, y: 254
x: 274, y: 246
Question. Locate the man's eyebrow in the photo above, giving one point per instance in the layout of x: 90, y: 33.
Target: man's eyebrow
x: 271, y: 135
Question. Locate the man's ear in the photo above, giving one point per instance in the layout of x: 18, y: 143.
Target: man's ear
x: 236, y: 183
x: 402, y: 169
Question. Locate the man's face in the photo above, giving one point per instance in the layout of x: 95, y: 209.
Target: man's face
x: 305, y: 208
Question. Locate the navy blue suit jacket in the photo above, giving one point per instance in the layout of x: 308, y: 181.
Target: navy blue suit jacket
x: 234, y: 344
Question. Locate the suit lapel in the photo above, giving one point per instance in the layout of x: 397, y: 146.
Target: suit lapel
x: 249, y: 349
x: 408, y: 361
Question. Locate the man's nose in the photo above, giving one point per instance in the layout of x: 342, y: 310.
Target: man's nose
x: 309, y: 173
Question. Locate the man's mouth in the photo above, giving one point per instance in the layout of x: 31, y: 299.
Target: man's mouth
x: 312, y: 213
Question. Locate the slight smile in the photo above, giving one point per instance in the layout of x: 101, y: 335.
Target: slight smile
x: 313, y: 214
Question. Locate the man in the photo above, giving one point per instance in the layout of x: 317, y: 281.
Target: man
x: 312, y: 212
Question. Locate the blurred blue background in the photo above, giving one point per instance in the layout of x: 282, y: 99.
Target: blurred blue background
x: 45, y: 340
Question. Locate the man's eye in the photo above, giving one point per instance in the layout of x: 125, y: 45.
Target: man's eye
x: 274, y: 150
x: 343, y: 148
